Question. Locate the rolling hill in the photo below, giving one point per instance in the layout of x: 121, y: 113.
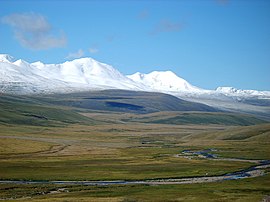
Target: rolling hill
x: 143, y: 107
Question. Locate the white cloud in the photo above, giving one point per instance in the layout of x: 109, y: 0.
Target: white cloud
x: 34, y: 31
x: 78, y: 54
x: 93, y: 50
x: 167, y: 26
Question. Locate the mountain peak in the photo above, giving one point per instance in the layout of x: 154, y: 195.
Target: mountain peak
x: 89, y: 74
x: 227, y: 89
x: 231, y: 91
x: 164, y: 73
x: 77, y: 75
x: 21, y: 63
x: 83, y: 60
x: 90, y: 67
x: 168, y: 75
x: 6, y: 58
x: 163, y: 81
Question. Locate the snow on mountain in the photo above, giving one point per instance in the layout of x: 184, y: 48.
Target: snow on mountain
x: 82, y: 74
x: 230, y: 91
x: 85, y: 74
x: 6, y: 58
x: 166, y: 81
x: 90, y: 71
x: 169, y: 82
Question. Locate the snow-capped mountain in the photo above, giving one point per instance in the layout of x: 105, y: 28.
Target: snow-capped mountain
x: 21, y: 77
x: 6, y: 58
x: 87, y: 74
x: 230, y: 91
x: 83, y: 74
x: 169, y: 82
x: 163, y: 81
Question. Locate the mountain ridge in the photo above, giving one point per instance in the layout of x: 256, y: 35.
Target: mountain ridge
x: 18, y: 77
x: 163, y: 81
x: 88, y: 74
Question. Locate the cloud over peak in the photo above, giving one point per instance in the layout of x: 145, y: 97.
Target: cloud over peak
x: 93, y: 50
x: 78, y: 54
x: 34, y: 31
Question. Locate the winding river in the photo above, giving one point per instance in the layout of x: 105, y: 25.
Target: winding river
x: 253, y: 171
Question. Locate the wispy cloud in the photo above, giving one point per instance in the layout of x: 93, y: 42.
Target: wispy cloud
x: 78, y: 54
x: 167, y: 26
x: 93, y: 50
x: 34, y: 31
x: 222, y: 2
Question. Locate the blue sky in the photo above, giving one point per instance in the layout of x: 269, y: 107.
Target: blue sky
x: 209, y: 43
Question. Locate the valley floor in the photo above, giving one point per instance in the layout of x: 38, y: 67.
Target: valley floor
x: 131, y: 151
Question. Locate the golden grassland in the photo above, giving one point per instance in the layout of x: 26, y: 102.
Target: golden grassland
x: 118, y: 150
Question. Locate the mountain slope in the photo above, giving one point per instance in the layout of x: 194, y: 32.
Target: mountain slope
x: 87, y: 74
x: 230, y: 91
x: 117, y: 106
x: 163, y: 81
x: 23, y: 110
x: 202, y: 118
x: 21, y: 77
x: 126, y: 101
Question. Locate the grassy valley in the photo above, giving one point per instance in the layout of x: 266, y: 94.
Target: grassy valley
x: 141, y: 137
